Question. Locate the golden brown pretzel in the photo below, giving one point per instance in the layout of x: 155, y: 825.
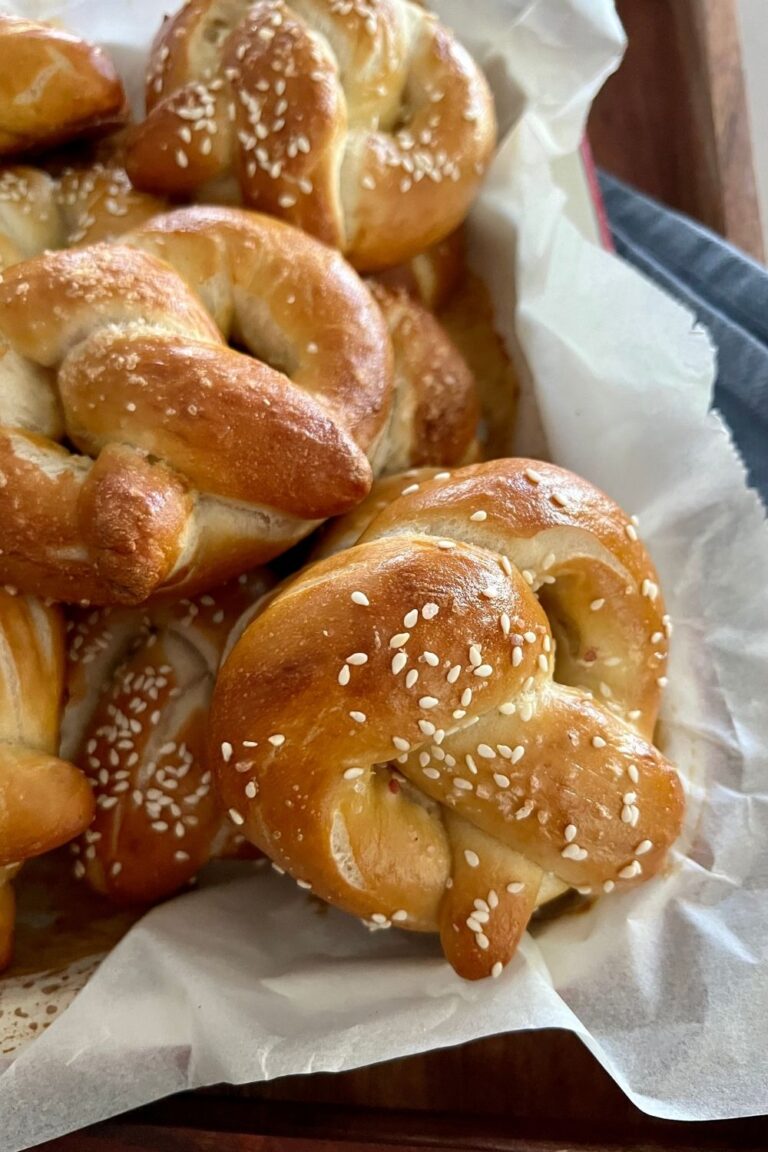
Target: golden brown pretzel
x: 82, y: 205
x: 43, y: 801
x: 430, y: 728
x: 53, y: 87
x: 198, y: 461
x: 140, y: 682
x: 366, y: 124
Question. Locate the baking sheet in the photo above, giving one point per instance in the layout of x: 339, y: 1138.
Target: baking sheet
x: 667, y: 984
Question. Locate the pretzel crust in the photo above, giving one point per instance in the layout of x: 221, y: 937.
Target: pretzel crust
x: 439, y: 720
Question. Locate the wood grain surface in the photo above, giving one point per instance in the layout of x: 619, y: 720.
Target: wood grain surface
x: 673, y: 121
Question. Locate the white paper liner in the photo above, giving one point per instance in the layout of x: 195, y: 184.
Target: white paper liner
x: 668, y: 984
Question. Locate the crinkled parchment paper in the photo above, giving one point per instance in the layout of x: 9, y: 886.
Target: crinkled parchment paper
x: 667, y: 985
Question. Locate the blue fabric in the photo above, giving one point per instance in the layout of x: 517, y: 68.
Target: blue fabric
x: 728, y: 293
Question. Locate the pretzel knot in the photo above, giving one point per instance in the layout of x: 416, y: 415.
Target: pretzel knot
x: 362, y: 121
x: 198, y: 461
x: 451, y: 721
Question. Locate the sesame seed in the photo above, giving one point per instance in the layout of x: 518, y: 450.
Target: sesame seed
x: 359, y: 717
x: 629, y: 797
x: 486, y: 752
x: 427, y: 727
x: 543, y: 662
x: 533, y: 476
x: 458, y: 714
x: 473, y: 924
x: 631, y: 532
x: 631, y: 870
x: 344, y: 675
x: 428, y: 702
x: 401, y: 744
x: 598, y: 742
x: 411, y: 678
x: 235, y: 816
x: 482, y: 941
x: 650, y: 589
x: 277, y: 740
x: 181, y: 158
x: 462, y: 785
x: 657, y: 637
x: 574, y: 852
x: 475, y: 655
x: 497, y: 970
x: 479, y: 516
x: 501, y: 780
x: 635, y: 714
x: 608, y: 886
x: 484, y: 670
x: 517, y: 753
x: 570, y: 832
x: 662, y: 681
x: 226, y: 751
x: 432, y: 773
x: 596, y: 605
x: 360, y: 598
x: 633, y: 774
x: 517, y: 656
x: 430, y: 609
x: 378, y: 918
x: 453, y: 674
x: 399, y: 662
x: 472, y: 858
x: 524, y: 811
x: 411, y: 618
x: 506, y: 623
x: 446, y: 544
x: 251, y: 789
x: 506, y: 564
x: 508, y: 708
x: 399, y: 639
x: 643, y: 847
x: 411, y: 488
x: 357, y: 658
x: 424, y: 759
x: 466, y: 698
x: 353, y: 773
x: 401, y: 914
x: 469, y: 760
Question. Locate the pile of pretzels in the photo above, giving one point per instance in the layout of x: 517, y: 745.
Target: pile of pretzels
x: 268, y: 587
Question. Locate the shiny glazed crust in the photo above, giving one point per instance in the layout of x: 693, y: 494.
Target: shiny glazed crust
x: 430, y: 726
x: 367, y: 125
x: 75, y: 84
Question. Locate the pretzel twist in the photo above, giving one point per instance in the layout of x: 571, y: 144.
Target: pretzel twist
x: 452, y: 720
x: 53, y: 87
x: 365, y: 122
x: 139, y: 685
x: 43, y: 801
x: 198, y: 461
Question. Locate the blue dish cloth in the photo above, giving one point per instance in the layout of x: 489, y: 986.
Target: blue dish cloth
x: 728, y: 293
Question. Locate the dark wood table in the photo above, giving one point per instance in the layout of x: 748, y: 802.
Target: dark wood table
x: 672, y: 122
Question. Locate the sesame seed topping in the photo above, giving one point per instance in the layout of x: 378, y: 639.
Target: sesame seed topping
x: 226, y: 751
x: 411, y: 618
x: 469, y: 760
x: 399, y: 662
x: 353, y: 773
x: 357, y: 658
x: 482, y: 941
x: 398, y: 640
x: 508, y: 708
x: 506, y: 565
x: 574, y: 852
x: 235, y: 816
x: 430, y: 610
x: 428, y: 702
x: 517, y: 753
x: 657, y: 637
x: 598, y: 742
x: 506, y: 623
x: 466, y: 698
x: 635, y: 714
x: 411, y: 488
x: 662, y: 681
x: 570, y: 832
x: 501, y: 780
x: 631, y: 870
x: 486, y: 752
x: 251, y: 789
x: 401, y: 914
x: 411, y: 678
x: 631, y: 532
x: 532, y: 475
x: 650, y: 589
x: 427, y: 727
x: 643, y: 847
x: 378, y: 918
x: 484, y: 670
x: 608, y: 886
x: 453, y: 674
x: 360, y: 598
x: 446, y: 544
x: 344, y: 675
x: 524, y: 811
x: 401, y: 744
x: 497, y: 970
x: 633, y: 774
x: 479, y: 516
x: 277, y: 740
x: 543, y: 662
x: 432, y: 773
x: 596, y: 605
x: 430, y: 658
x: 517, y: 656
x: 358, y: 717
x: 472, y: 858
x: 462, y: 785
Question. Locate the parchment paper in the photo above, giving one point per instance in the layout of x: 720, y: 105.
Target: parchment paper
x: 667, y: 985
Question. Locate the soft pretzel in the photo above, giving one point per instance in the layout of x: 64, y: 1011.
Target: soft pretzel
x: 433, y: 276
x: 443, y: 724
x: 366, y: 124
x: 140, y: 682
x: 43, y: 801
x: 83, y: 205
x: 198, y: 461
x: 53, y: 87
